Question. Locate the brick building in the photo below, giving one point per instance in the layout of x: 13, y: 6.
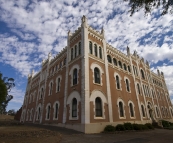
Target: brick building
x: 90, y: 84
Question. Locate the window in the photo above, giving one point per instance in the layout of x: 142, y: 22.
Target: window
x: 143, y: 111
x: 163, y: 112
x: 109, y: 59
x: 65, y: 61
x: 97, y: 75
x: 48, y: 112
x: 75, y: 51
x: 79, y: 48
x: 41, y: 93
x: 58, y: 85
x: 131, y: 110
x: 121, y: 110
x: 125, y: 68
x: 39, y: 112
x: 74, y: 107
x: 138, y: 87
x: 100, y: 52
x: 74, y: 76
x: 72, y: 54
x: 90, y: 47
x: 31, y: 114
x: 115, y: 61
x: 98, y: 107
x: 50, y: 88
x: 142, y: 74
x: 129, y: 69
x: 56, y: 111
x: 119, y: 62
x: 118, y: 82
x: 95, y: 49
x: 157, y: 112
x: 127, y: 85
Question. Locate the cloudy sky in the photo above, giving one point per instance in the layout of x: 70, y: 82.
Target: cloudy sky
x: 30, y: 29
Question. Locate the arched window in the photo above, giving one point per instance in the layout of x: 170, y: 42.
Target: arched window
x: 115, y: 61
x: 95, y: 49
x: 75, y: 51
x: 50, y: 88
x: 138, y: 87
x: 125, y: 68
x: 79, y: 48
x: 39, y: 112
x: 131, y: 110
x: 129, y: 69
x: 74, y: 107
x: 97, y: 75
x: 56, y: 110
x: 98, y: 107
x: 100, y: 52
x: 74, y: 76
x: 163, y: 112
x: 121, y: 109
x: 127, y: 85
x: 109, y: 59
x: 142, y: 74
x: 90, y: 47
x: 118, y: 82
x: 143, y: 111
x: 48, y: 112
x: 72, y: 54
x: 157, y: 112
x: 119, y: 62
x: 58, y: 84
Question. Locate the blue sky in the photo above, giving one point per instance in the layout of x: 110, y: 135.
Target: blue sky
x: 30, y: 29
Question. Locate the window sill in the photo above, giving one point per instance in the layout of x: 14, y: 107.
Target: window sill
x: 122, y: 117
x: 73, y: 118
x: 98, y: 118
x: 98, y: 84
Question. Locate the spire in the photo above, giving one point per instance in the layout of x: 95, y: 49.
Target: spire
x: 84, y: 21
x: 49, y: 56
x: 103, y: 32
x: 128, y: 51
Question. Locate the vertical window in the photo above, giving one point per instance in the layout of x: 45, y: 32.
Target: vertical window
x: 163, y: 113
x: 56, y: 110
x: 72, y: 54
x: 50, y: 88
x: 157, y: 112
x: 48, y: 112
x: 129, y: 69
x: 74, y: 107
x: 95, y: 49
x: 118, y: 82
x: 75, y: 51
x: 97, y: 75
x: 109, y: 59
x: 100, y: 52
x: 39, y: 113
x: 131, y: 110
x: 134, y: 70
x: 138, y: 87
x: 115, y: 61
x: 58, y: 86
x: 41, y: 93
x: 143, y: 111
x: 74, y: 76
x: 121, y: 110
x: 79, y: 48
x: 98, y: 107
x: 142, y: 74
x: 127, y: 85
x: 119, y: 62
x: 90, y: 47
x: 125, y: 68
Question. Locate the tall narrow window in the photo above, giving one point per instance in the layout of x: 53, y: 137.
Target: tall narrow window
x: 142, y: 74
x: 72, y: 54
x: 129, y: 69
x: 118, y: 82
x: 56, y: 110
x: 39, y: 112
x: 157, y: 112
x: 95, y: 49
x: 127, y: 85
x: 50, y: 88
x: 139, y: 91
x: 97, y: 75
x: 74, y: 107
x: 143, y: 111
x: 119, y: 62
x: 74, y: 76
x: 91, y: 47
x: 98, y: 107
x: 131, y: 110
x: 109, y: 59
x: 48, y: 112
x: 125, y: 68
x: 121, y: 110
x: 163, y: 112
x: 100, y: 52
x: 79, y: 48
x: 58, y: 86
x: 115, y: 61
x: 75, y: 51
x: 134, y: 70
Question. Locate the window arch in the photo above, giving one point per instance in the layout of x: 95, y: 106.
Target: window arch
x: 109, y: 59
x: 131, y: 108
x: 138, y: 87
x: 90, y: 47
x: 125, y: 68
x: 143, y: 110
x: 39, y: 113
x: 157, y: 111
x: 129, y: 68
x: 75, y: 76
x: 79, y: 52
x: 56, y: 109
x: 127, y: 85
x: 98, y: 108
x: 142, y: 74
x: 115, y: 61
x: 163, y: 112
x: 48, y: 112
x: 121, y: 109
x: 72, y: 54
x: 74, y: 107
x: 100, y: 52
x: 75, y: 51
x: 58, y: 84
x: 120, y: 64
x: 50, y: 88
x: 95, y: 50
x: 117, y: 82
x: 97, y: 75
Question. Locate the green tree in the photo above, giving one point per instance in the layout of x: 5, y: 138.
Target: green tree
x: 6, y: 84
x: 149, y: 5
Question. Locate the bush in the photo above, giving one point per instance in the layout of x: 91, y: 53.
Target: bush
x: 149, y: 126
x: 144, y: 127
x: 171, y: 124
x: 128, y: 126
x: 120, y: 127
x: 165, y: 123
x: 137, y: 127
x: 109, y: 128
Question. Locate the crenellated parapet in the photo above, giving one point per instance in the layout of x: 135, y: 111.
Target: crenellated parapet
x: 94, y: 33
x: 75, y: 35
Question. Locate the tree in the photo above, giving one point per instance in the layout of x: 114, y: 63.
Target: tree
x: 6, y: 84
x: 150, y: 5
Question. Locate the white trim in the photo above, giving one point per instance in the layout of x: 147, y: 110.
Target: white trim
x: 50, y: 91
x: 49, y: 104
x: 133, y: 109
x: 59, y: 76
x: 125, y: 77
x: 55, y: 110
x: 142, y: 104
x: 76, y: 66
x: 116, y: 74
x: 120, y: 100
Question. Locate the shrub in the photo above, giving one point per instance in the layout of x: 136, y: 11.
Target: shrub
x: 109, y: 128
x: 137, y: 127
x: 144, y: 127
x: 165, y: 123
x: 120, y: 127
x: 149, y: 126
x: 128, y: 126
x: 171, y: 124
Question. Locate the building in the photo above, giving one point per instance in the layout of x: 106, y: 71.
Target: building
x: 90, y: 84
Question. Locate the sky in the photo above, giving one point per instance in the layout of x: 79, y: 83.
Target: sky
x: 30, y: 29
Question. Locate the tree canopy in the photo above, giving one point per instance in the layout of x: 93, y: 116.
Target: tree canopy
x: 149, y: 5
